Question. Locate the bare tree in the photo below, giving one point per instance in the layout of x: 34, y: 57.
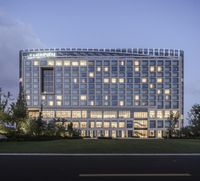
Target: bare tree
x: 173, y: 121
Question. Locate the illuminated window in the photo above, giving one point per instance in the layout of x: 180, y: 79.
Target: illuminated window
x: 114, y: 80
x: 121, y: 103
x: 76, y: 114
x: 83, y: 124
x: 83, y: 63
x: 159, y: 114
x: 65, y: 124
x: 167, y: 91
x: 106, y: 133
x: 137, y: 97
x: 121, y: 80
x: 63, y: 114
x: 43, y: 97
x: 83, y: 97
x: 137, y: 69
x: 98, y: 69
x: 106, y: 97
x: 144, y: 80
x: 106, y: 80
x: 175, y: 112
x: 167, y: 114
x: 106, y: 69
x: 75, y: 63
x: 75, y: 124
x: 83, y: 80
x: 91, y: 124
x: 140, y: 123
x: 96, y: 114
x: 124, y: 114
x: 159, y: 91
x: 28, y: 97
x: 48, y: 114
x: 152, y: 133
x: 159, y: 80
x: 152, y: 68
x: 152, y: 114
x: 59, y: 97
x: 140, y: 114
x: 68, y: 114
x: 106, y: 124
x: 51, y: 103
x: 50, y: 63
x: 75, y: 80
x: 92, y: 103
x: 36, y: 62
x: 98, y: 124
x: 113, y: 124
x: 121, y: 124
x: 167, y: 97
x: 59, y: 63
x: 33, y: 114
x: 91, y: 74
x: 136, y: 62
x: 159, y: 69
x: 84, y: 114
x: 122, y: 63
x: 110, y: 114
x: 151, y: 86
x: 136, y: 103
x: 66, y: 63
x: 59, y: 103
x: 113, y: 134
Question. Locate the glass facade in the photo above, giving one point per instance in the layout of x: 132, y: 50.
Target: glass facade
x: 108, y: 86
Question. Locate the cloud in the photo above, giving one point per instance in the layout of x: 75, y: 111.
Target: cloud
x: 14, y: 35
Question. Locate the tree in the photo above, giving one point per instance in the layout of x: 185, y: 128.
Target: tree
x: 194, y: 119
x: 60, y: 127
x: 50, y: 129
x: 19, y: 112
x: 186, y: 132
x: 173, y: 120
x: 4, y: 101
x: 37, y: 126
x: 5, y: 111
x: 71, y: 131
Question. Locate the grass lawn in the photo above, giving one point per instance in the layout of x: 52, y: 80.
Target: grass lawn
x: 103, y: 146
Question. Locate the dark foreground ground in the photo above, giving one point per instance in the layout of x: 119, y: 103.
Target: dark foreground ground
x: 67, y: 168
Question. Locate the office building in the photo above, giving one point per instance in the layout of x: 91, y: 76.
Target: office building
x: 105, y: 92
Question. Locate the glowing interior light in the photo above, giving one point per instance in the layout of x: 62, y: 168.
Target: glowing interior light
x: 137, y: 97
x: 152, y: 69
x: 136, y: 62
x: 83, y: 97
x: 83, y: 63
x: 91, y: 74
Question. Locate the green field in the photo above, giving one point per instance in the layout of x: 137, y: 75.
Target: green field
x: 103, y: 146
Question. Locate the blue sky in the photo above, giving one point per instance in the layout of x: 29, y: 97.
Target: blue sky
x: 102, y: 24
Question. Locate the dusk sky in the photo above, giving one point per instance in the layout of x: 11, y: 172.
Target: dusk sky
x: 101, y: 24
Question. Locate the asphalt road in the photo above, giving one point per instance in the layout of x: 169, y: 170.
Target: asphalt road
x: 65, y: 168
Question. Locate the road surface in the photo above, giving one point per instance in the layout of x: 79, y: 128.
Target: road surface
x: 99, y: 167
